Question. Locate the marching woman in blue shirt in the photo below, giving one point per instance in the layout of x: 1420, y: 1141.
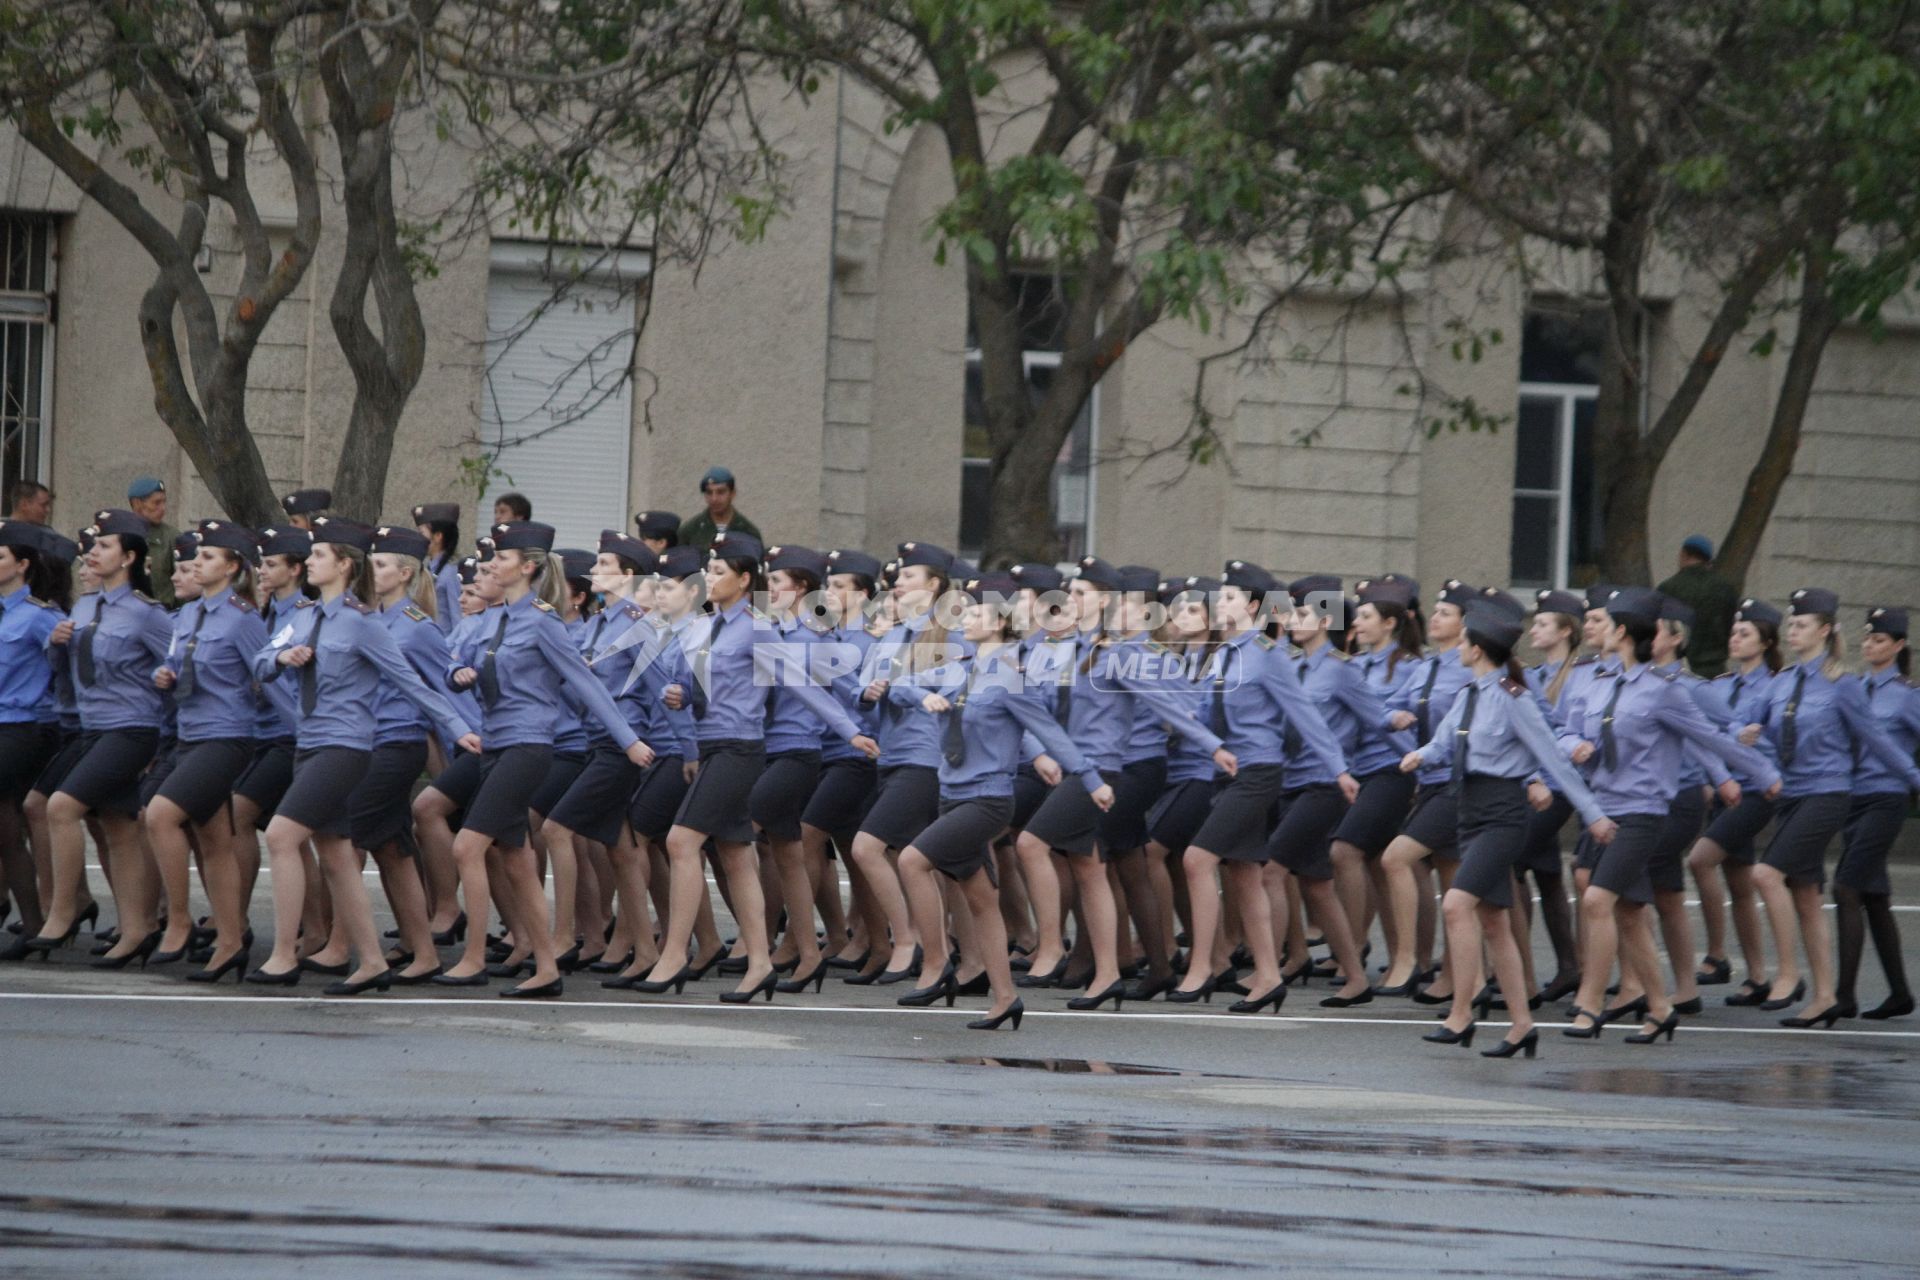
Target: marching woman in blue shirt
x: 1098, y: 684
x: 29, y: 611
x: 1636, y: 725
x: 983, y: 710
x: 1497, y: 739
x: 439, y: 523
x: 334, y: 652
x: 906, y: 793
x: 111, y: 644
x: 1821, y: 728
x: 734, y: 662
x: 1723, y: 857
x: 1180, y: 810
x: 832, y: 816
x: 405, y: 600
x: 526, y: 672
x: 1311, y: 806
x: 1862, y: 894
x: 1555, y: 635
x: 1429, y: 836
x: 1261, y: 714
x: 208, y: 670
x: 1386, y: 634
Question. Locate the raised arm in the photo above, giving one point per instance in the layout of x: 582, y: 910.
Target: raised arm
x: 550, y: 637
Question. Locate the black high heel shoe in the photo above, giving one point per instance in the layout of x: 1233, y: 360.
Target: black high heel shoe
x: 236, y: 964
x: 1713, y: 972
x: 1793, y: 997
x: 1823, y: 1019
x: 1205, y: 992
x: 695, y: 972
x: 1750, y: 994
x: 381, y: 981
x: 1424, y: 997
x: 888, y: 977
x: 1013, y: 1012
x: 1898, y: 1006
x: 1447, y: 1035
x: 1635, y: 1008
x: 1526, y: 1045
x: 44, y: 946
x: 786, y: 966
x: 1275, y: 996
x: 1115, y: 992
x: 676, y: 984
x: 1347, y: 1002
x: 1034, y: 978
x: 815, y: 978
x: 978, y: 985
x: 159, y: 958
x: 261, y: 978
x: 142, y: 952
x: 856, y: 964
x: 1559, y: 989
x: 568, y: 961
x: 1591, y: 1032
x: 453, y: 933
x: 506, y: 969
x: 1664, y: 1027
x: 766, y: 984
x: 1147, y: 988
x: 545, y: 991
x: 922, y: 997
x: 1304, y: 975
x: 89, y: 918
x: 732, y: 966
x: 604, y: 965
x: 1399, y: 989
x: 341, y: 970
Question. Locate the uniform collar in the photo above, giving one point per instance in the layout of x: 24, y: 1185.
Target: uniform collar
x: 1811, y: 666
x: 13, y: 597
x: 1638, y: 672
x: 116, y: 595
x: 395, y: 607
x: 1876, y: 678
x: 523, y: 604
x: 207, y: 602
x: 1490, y: 679
x: 733, y: 610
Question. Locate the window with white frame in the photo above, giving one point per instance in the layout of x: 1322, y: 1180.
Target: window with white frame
x: 1043, y: 312
x: 26, y: 347
x: 1557, y: 533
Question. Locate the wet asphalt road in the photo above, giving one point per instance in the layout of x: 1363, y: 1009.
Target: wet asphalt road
x: 154, y: 1128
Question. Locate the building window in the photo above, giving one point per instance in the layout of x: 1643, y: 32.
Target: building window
x: 26, y: 347
x: 1042, y: 312
x: 1557, y: 536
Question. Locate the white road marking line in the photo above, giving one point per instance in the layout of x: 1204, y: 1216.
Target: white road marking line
x: 470, y: 1004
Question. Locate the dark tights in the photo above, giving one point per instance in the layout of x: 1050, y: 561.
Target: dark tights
x: 1858, y: 913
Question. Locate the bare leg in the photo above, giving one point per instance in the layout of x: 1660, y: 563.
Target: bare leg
x: 286, y: 844
x: 1248, y: 890
x: 1043, y: 888
x: 1778, y: 899
x: 530, y: 902
x: 983, y: 901
x: 1397, y: 866
x: 918, y: 880
x: 749, y: 910
x: 405, y: 894
x: 1201, y: 870
x: 1813, y: 928
x: 1090, y: 878
x: 469, y: 853
x: 441, y: 874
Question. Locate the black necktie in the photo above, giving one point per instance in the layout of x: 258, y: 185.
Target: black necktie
x: 1789, y: 729
x: 1609, y: 750
x: 1063, y: 690
x: 489, y: 664
x: 1460, y: 739
x: 593, y: 641
x: 1290, y: 740
x: 1218, y: 720
x: 766, y: 723
x: 1872, y: 688
x: 184, y: 684
x: 953, y: 742
x: 702, y: 662
x: 1733, y: 698
x: 85, y: 651
x: 1420, y: 708
x: 310, y: 674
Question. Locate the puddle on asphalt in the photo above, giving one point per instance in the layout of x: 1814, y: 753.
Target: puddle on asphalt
x: 1857, y: 1087
x: 1079, y: 1067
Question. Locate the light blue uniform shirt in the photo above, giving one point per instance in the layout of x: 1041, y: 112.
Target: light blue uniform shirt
x: 540, y: 674
x: 1832, y: 722
x: 904, y: 739
x: 1508, y: 737
x: 131, y: 640
x: 446, y: 593
x: 1428, y: 693
x: 1653, y: 719
x: 26, y: 672
x: 224, y: 631
x: 355, y: 652
x: 998, y: 713
x: 275, y: 703
x: 849, y: 658
x: 742, y: 657
x: 1355, y: 711
x: 1259, y: 693
x: 1895, y: 705
x: 396, y: 718
x: 1120, y: 677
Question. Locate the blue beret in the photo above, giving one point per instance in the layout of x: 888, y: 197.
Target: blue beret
x: 229, y: 536
x: 118, y: 523
x: 657, y: 524
x: 1752, y: 610
x: 1551, y: 601
x: 1887, y: 621
x: 1641, y: 604
x: 926, y: 555
x: 736, y: 546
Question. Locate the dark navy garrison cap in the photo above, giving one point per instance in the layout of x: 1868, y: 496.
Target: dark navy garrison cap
x: 119, y: 523
x: 792, y: 559
x: 345, y: 533
x: 1887, y: 621
x: 1495, y: 598
x: 1814, y: 600
x: 522, y: 535
x: 736, y: 546
x: 185, y: 545
x: 1391, y: 591
x: 468, y: 569
x: 1457, y: 593
x: 1751, y: 610
x: 1193, y: 584
x: 657, y: 524
x: 286, y: 542
x: 1038, y: 577
x: 1248, y: 576
x: 437, y: 513
x: 680, y: 562
x: 1598, y: 594
x: 575, y: 562
x: 483, y: 548
x: 615, y: 543
x: 57, y: 545
x: 1097, y: 572
x: 229, y: 536
x: 399, y: 540
x: 15, y: 534
x: 1139, y: 577
x: 1551, y: 601
x: 1494, y: 623
x: 991, y: 586
x: 1314, y: 584
x: 1641, y: 604
x: 847, y: 560
x: 1679, y: 611
x: 926, y: 555
x: 87, y: 537
x: 304, y: 502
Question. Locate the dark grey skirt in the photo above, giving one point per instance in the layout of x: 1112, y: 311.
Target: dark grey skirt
x: 1376, y: 815
x: 905, y: 799
x: 1493, y: 821
x: 1237, y: 822
x: 716, y: 804
x: 1873, y: 824
x: 383, y: 802
x: 106, y: 774
x: 1806, y: 827
x: 960, y: 841
x: 1435, y: 821
x: 323, y: 782
x: 203, y: 775
x: 509, y: 780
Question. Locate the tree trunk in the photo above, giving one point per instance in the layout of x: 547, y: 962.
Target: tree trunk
x: 1818, y: 320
